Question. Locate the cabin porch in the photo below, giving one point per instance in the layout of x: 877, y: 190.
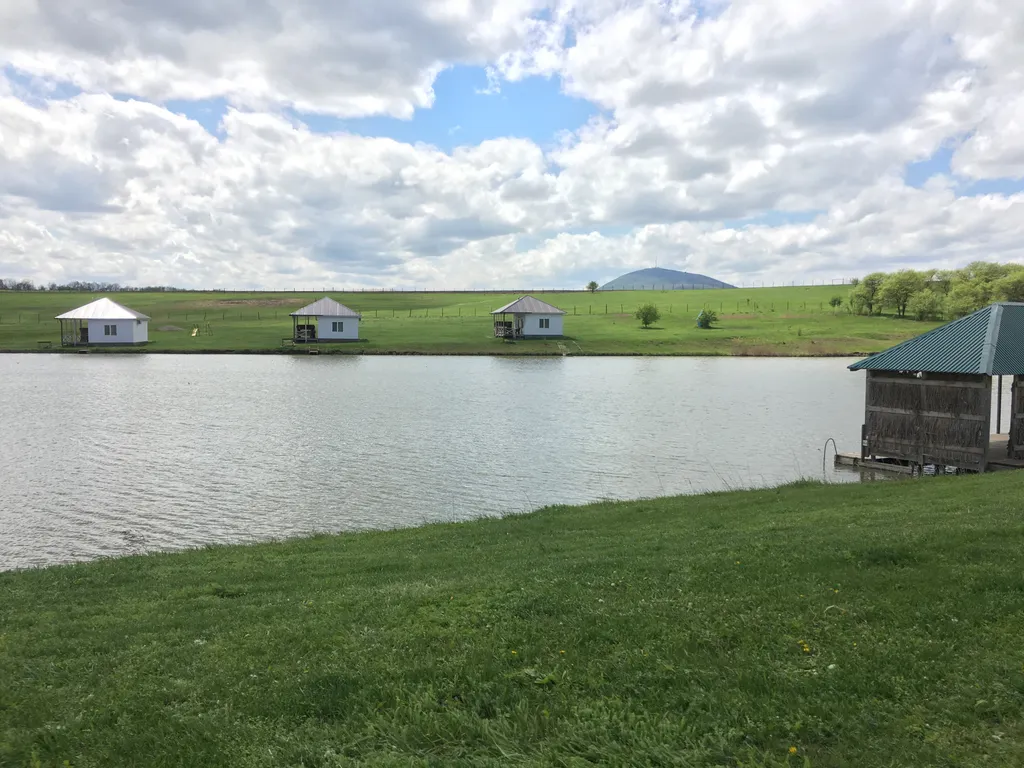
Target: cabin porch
x: 508, y: 326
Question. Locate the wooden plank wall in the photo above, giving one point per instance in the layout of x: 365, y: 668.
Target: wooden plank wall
x: 1015, y: 447
x: 941, y: 419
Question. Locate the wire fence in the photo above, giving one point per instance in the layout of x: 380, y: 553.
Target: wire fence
x: 838, y: 282
x: 605, y: 308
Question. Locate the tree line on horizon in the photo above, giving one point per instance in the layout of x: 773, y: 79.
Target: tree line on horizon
x: 935, y: 294
x: 8, y: 284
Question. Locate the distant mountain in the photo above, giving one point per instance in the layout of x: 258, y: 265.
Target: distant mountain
x: 656, y: 278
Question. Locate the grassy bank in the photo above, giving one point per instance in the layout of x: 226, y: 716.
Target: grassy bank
x: 754, y: 321
x: 876, y: 625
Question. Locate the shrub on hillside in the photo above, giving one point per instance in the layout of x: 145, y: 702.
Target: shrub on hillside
x: 647, y: 314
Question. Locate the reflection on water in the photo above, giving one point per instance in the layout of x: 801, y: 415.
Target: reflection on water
x: 106, y: 455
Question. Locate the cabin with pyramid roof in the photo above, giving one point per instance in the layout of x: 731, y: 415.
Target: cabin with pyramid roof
x: 325, y: 320
x: 929, y: 400
x: 103, y: 322
x: 527, y: 318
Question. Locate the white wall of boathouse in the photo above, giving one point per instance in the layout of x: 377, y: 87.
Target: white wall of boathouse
x: 128, y: 331
x: 532, y: 325
x: 349, y: 328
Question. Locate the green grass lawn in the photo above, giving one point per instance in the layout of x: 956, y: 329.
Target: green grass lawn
x: 873, y: 625
x: 754, y: 321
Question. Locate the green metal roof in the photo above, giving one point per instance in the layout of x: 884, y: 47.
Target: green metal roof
x: 989, y: 341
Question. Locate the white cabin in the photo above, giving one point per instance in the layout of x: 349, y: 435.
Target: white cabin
x: 325, y: 320
x: 528, y: 318
x: 103, y: 322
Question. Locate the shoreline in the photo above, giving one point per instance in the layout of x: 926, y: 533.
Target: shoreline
x: 404, y: 353
x: 638, y: 630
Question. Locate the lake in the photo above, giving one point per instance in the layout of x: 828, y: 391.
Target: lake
x: 109, y: 454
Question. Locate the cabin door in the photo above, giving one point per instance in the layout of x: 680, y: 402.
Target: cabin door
x: 1015, y: 448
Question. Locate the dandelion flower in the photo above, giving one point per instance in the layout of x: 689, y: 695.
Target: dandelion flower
x: 792, y: 750
x: 514, y: 653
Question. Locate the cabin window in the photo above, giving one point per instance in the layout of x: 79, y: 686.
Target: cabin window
x: 338, y: 326
x: 110, y: 330
x: 545, y: 322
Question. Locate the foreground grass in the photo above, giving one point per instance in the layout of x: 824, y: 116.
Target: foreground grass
x: 754, y: 321
x: 876, y: 625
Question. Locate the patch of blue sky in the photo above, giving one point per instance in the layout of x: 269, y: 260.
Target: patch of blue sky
x: 990, y: 187
x: 207, y: 112
x: 916, y: 174
x: 940, y: 164
x: 36, y: 90
x: 465, y: 113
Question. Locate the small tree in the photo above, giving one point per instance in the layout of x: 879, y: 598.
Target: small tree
x: 592, y: 286
x: 926, y: 305
x: 864, y: 296
x: 1011, y: 287
x: 706, y: 318
x: 899, y: 287
x: 647, y: 314
x: 835, y: 302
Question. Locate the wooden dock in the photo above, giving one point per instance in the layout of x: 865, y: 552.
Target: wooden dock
x: 997, y: 459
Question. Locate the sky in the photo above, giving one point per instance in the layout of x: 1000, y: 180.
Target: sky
x: 503, y: 144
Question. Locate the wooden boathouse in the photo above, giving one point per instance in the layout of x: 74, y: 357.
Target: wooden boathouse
x: 928, y: 401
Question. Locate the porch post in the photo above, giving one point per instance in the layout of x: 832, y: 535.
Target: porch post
x: 999, y: 405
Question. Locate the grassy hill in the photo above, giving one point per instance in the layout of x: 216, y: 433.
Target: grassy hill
x: 874, y: 625
x: 754, y: 321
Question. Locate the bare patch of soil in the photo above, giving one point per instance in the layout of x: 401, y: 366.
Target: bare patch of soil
x: 224, y: 303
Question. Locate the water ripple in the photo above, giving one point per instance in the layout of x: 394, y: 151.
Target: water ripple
x: 107, y: 455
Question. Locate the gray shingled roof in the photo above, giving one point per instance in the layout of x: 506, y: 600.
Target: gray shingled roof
x: 528, y: 305
x: 325, y: 307
x: 989, y: 341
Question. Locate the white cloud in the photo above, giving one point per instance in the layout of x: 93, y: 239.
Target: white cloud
x: 346, y: 57
x: 739, y: 113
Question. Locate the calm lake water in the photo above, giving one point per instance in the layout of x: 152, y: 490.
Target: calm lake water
x: 106, y: 455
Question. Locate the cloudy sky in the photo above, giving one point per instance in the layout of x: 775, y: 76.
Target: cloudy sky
x: 506, y: 143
